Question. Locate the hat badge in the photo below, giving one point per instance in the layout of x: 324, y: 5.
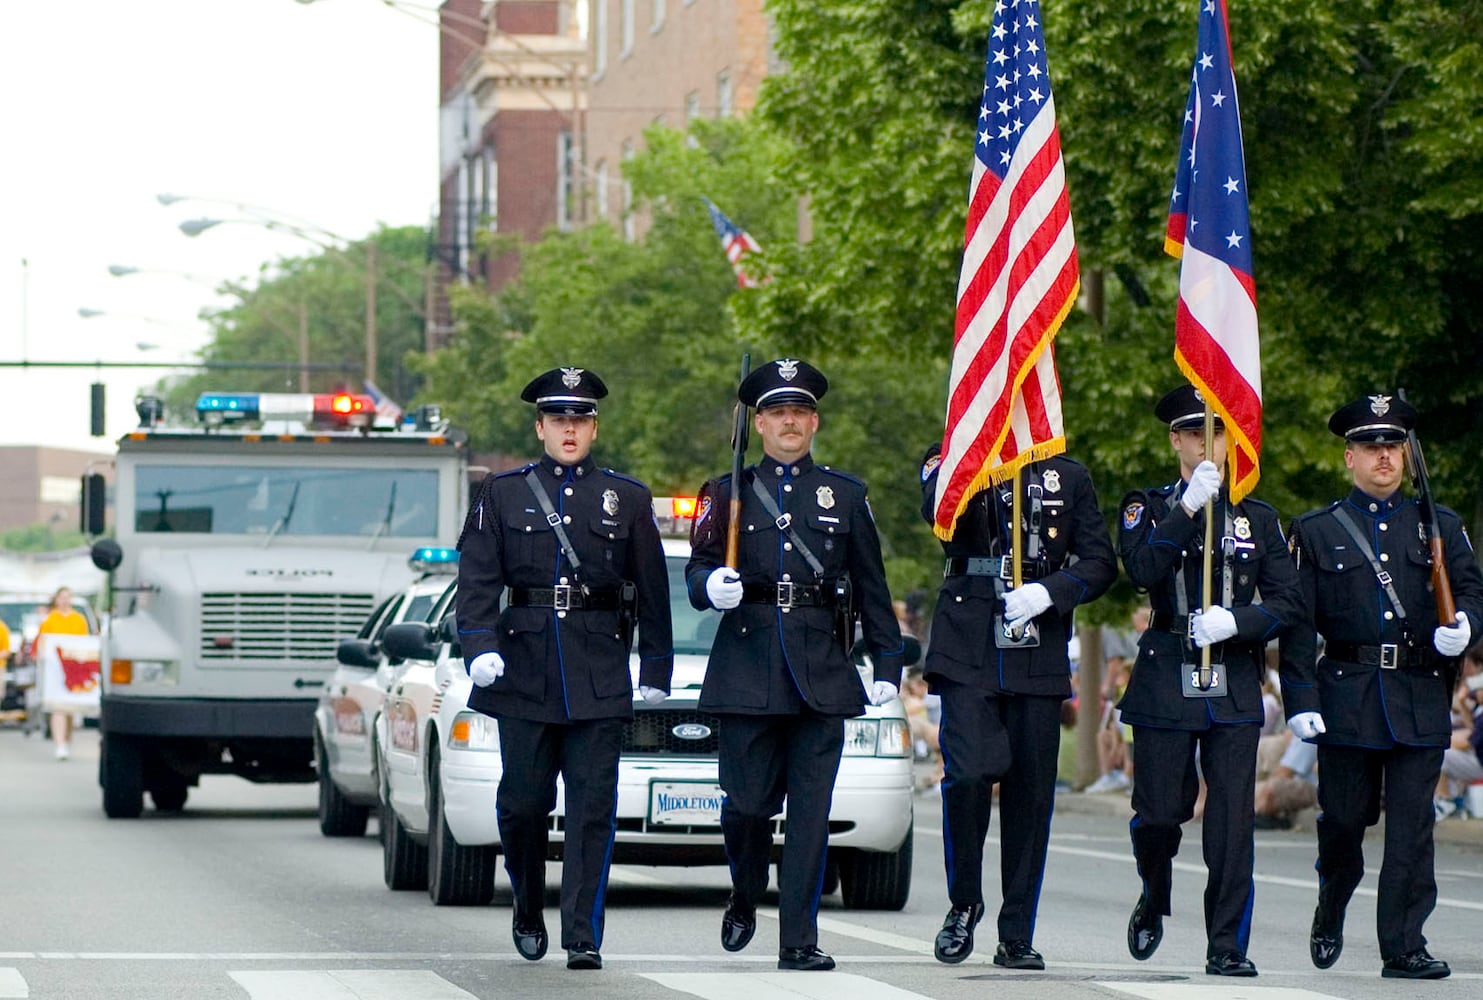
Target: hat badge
x: 1380, y: 405
x: 571, y: 377
x: 1199, y: 398
x: 787, y: 369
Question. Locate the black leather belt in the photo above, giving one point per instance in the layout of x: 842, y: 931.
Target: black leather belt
x: 1000, y: 566
x: 1164, y: 621
x: 564, y: 598
x: 1386, y: 656
x: 788, y: 595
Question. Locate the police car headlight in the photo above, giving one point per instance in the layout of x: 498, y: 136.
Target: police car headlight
x: 158, y: 672
x: 861, y: 737
x: 473, y: 731
x: 895, y: 739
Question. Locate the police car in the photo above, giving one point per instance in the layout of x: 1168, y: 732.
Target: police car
x: 344, y: 760
x: 441, y: 770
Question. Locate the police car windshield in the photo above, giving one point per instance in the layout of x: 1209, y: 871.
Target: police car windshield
x: 693, y: 630
x: 251, y: 501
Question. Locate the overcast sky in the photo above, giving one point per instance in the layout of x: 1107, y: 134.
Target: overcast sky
x: 325, y: 112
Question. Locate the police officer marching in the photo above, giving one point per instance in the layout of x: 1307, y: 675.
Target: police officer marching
x: 780, y: 676
x: 1376, y: 696
x: 1176, y: 704
x: 575, y: 552
x: 999, y: 662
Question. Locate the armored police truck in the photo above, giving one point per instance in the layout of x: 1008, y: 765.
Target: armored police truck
x: 247, y: 545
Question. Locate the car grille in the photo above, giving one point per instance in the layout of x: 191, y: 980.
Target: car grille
x: 651, y: 733
x: 286, y: 627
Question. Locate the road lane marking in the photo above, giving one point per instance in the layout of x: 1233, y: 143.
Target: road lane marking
x: 350, y: 984
x: 1185, y: 866
x: 858, y: 932
x: 13, y: 985
x: 1214, y: 991
x: 778, y: 986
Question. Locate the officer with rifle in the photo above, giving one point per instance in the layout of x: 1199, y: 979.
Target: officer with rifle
x: 574, y: 551
x: 1394, y: 590
x: 788, y: 549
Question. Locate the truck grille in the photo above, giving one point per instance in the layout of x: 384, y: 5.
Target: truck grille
x: 652, y: 733
x: 286, y: 627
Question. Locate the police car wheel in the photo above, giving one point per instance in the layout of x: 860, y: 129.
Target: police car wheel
x: 456, y: 875
x: 121, y: 773
x: 877, y: 880
x: 338, y: 816
x: 403, y: 860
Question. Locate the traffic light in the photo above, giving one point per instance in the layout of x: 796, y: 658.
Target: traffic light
x: 97, y: 410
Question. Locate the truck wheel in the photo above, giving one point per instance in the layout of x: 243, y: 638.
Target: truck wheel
x: 877, y: 880
x: 456, y: 875
x: 169, y: 792
x: 121, y: 773
x: 403, y: 860
x: 338, y: 816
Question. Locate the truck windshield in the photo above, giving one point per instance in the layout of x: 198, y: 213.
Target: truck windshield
x: 216, y: 500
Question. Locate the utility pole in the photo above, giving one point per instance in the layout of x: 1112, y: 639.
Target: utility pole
x: 303, y: 346
x: 370, y: 374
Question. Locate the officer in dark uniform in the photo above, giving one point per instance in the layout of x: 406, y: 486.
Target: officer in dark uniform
x: 1001, y: 693
x: 1174, y: 707
x: 575, y: 552
x: 1377, y: 700
x: 780, y: 675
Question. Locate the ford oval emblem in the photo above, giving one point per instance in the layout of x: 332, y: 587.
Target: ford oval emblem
x: 691, y: 731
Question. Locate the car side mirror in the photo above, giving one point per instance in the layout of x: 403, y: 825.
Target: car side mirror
x: 448, y: 632
x: 358, y: 653
x: 411, y: 641
x: 106, y: 554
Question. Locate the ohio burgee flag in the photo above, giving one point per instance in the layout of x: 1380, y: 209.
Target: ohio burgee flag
x: 1215, y: 329
x: 1019, y: 277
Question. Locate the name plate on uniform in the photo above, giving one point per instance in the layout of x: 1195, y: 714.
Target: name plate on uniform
x: 1007, y: 638
x: 685, y: 803
x: 1190, y: 679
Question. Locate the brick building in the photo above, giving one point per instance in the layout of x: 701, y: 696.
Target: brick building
x: 42, y: 485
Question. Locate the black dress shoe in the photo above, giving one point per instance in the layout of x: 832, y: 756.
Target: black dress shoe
x: 955, y: 941
x: 530, y: 937
x: 1415, y: 965
x: 1018, y: 955
x: 1229, y: 963
x: 1145, y: 930
x: 583, y: 956
x: 1325, y: 941
x: 809, y: 959
x: 738, y: 924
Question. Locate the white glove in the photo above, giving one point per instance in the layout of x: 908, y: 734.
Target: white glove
x: 1306, y: 725
x: 1024, y: 603
x: 1210, y: 627
x: 1453, y: 640
x: 724, y: 588
x: 487, y: 668
x: 653, y: 696
x: 1204, y: 483
x: 881, y: 692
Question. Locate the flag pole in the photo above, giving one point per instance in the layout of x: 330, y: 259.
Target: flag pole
x: 1205, y: 582
x: 1017, y: 572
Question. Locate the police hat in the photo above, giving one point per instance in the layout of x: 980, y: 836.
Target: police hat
x: 1374, y: 419
x: 572, y: 391
x: 1183, y: 409
x: 784, y: 382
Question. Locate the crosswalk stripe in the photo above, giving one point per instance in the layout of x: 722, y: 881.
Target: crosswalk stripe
x: 857, y: 932
x: 1217, y: 991
x: 13, y: 984
x: 349, y: 984
x: 778, y: 986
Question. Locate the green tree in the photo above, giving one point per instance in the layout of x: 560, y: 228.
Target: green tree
x: 43, y: 537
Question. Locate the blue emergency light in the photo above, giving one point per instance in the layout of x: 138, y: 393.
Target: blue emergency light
x: 227, y: 406
x: 433, y: 559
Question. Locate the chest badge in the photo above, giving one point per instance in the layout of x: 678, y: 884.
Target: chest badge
x: 1242, y: 527
x: 1052, y: 480
x: 825, y: 497
x: 609, y: 502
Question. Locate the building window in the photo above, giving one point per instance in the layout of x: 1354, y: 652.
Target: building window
x: 600, y: 39
x: 656, y: 16
x: 565, y: 176
x: 600, y: 178
x: 692, y: 105
x: 629, y: 229
x: 487, y: 205
x: 625, y: 15
x: 724, y: 96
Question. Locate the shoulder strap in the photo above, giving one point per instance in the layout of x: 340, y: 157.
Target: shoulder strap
x: 553, y: 519
x: 785, y: 525
x: 1360, y: 540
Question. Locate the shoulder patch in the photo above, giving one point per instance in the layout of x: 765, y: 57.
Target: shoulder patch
x: 1133, y: 514
x: 930, y: 466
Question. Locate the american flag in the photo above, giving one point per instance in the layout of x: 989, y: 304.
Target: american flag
x: 737, y: 243
x: 1019, y: 277
x: 386, y: 409
x: 1215, y: 329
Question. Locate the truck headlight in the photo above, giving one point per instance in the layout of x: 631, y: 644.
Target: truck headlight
x: 473, y: 731
x: 159, y: 672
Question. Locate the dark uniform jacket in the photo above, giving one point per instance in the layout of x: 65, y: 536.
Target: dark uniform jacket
x: 1364, y: 704
x: 1079, y: 567
x: 1156, y: 537
x: 563, y: 665
x: 771, y: 661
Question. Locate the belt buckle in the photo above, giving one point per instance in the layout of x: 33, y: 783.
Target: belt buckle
x: 1389, y: 656
x: 561, y: 597
x: 785, y: 593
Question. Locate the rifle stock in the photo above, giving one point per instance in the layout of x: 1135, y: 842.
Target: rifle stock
x: 1441, y: 580
x: 738, y: 460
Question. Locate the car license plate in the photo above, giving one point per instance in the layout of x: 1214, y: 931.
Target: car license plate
x: 685, y: 803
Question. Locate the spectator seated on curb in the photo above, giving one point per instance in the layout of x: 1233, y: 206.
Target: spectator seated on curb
x: 1292, y: 784
x: 1462, y: 763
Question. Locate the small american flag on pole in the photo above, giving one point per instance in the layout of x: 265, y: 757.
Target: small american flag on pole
x: 1019, y: 277
x: 1215, y: 329
x: 737, y: 243
x: 386, y: 408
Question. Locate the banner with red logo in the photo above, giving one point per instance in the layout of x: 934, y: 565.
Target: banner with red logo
x: 68, y: 668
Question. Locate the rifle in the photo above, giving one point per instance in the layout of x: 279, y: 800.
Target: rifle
x: 738, y: 459
x: 1441, y: 581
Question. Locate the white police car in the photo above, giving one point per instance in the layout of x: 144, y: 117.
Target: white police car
x: 353, y: 696
x: 443, y: 769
